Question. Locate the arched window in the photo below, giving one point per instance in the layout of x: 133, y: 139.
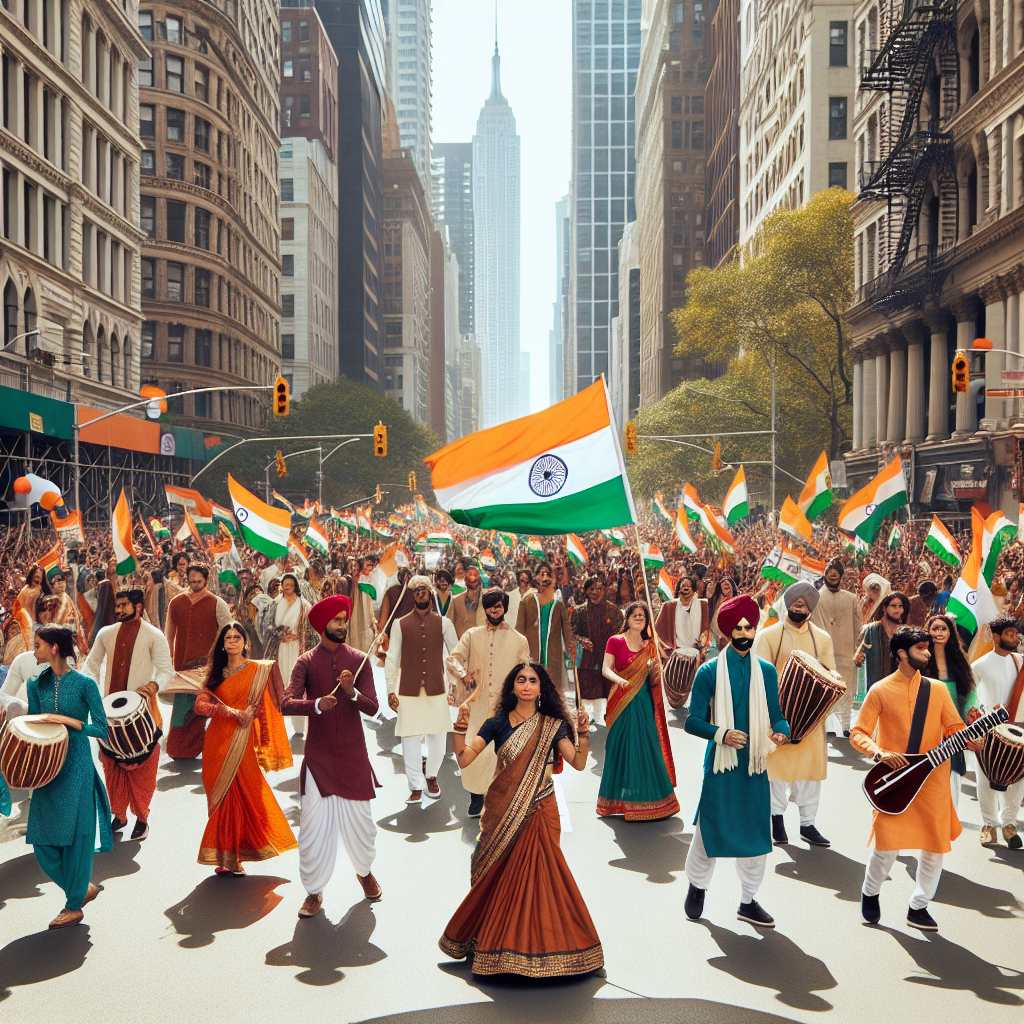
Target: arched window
x: 88, y: 353
x: 127, y: 356
x: 30, y: 320
x: 101, y: 344
x: 115, y: 359
x: 10, y: 312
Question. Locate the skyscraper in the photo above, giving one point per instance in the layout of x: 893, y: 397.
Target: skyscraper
x: 560, y: 306
x: 605, y: 58
x: 408, y: 23
x: 453, y: 204
x: 496, y: 251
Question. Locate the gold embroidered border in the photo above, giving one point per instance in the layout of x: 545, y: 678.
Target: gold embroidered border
x: 530, y: 965
x: 639, y: 811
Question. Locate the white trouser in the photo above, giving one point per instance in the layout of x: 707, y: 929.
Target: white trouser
x: 700, y: 867
x: 804, y: 794
x: 998, y: 808
x: 412, y: 751
x: 954, y: 789
x: 844, y: 709
x: 595, y: 708
x: 322, y: 819
x: 929, y: 870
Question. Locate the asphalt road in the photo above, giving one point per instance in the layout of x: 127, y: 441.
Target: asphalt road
x: 167, y: 941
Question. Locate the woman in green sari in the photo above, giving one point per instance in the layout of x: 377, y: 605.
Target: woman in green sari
x: 638, y: 779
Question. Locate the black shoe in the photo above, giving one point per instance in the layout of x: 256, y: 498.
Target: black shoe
x: 754, y: 913
x: 476, y: 805
x: 809, y: 834
x: 779, y: 837
x: 869, y: 908
x: 694, y: 905
x: 846, y: 733
x: 921, y: 919
x: 140, y: 831
x: 117, y: 824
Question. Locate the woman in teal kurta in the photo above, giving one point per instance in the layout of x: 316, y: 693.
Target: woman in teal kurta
x: 69, y: 819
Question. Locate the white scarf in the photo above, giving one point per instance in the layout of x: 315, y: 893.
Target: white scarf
x: 693, y: 613
x: 759, y: 742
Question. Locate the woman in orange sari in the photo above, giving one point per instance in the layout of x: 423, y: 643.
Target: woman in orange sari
x: 524, y: 914
x: 246, y: 734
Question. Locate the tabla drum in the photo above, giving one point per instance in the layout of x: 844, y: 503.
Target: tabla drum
x: 807, y: 693
x: 1002, y: 757
x: 32, y: 752
x: 131, y: 731
x: 680, y: 670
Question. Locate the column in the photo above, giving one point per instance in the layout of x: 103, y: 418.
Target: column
x: 1013, y: 342
x: 1006, y: 192
x: 36, y: 223
x: 966, y: 332
x: 882, y: 395
x: 870, y: 392
x: 995, y: 330
x: 897, y: 411
x: 17, y: 81
x: 915, y: 391
x: 941, y: 376
x: 858, y: 404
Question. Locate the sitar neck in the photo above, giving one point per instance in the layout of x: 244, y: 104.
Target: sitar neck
x: 959, y: 740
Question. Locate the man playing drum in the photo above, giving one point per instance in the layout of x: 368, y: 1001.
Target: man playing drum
x: 683, y: 627
x: 132, y: 655
x: 797, y: 770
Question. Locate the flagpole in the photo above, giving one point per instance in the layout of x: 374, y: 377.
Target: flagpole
x: 650, y: 603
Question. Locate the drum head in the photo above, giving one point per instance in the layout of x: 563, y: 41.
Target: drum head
x: 1010, y: 732
x: 122, y: 704
x: 29, y: 728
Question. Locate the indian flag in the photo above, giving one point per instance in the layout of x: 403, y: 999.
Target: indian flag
x: 575, y: 550
x: 535, y: 547
x: 856, y: 544
x: 222, y: 516
x: 159, y: 528
x: 121, y: 533
x: 616, y: 537
x: 723, y: 538
x: 666, y: 585
x: 971, y: 602
x: 458, y: 587
x: 864, y: 513
x: 440, y: 537
x: 192, y: 501
x: 683, y: 534
x: 281, y: 499
x: 941, y: 544
x: 895, y: 536
x: 298, y: 550
x: 396, y: 521
x: 316, y: 538
x: 691, y: 502
x: 263, y: 527
x: 653, y: 558
x: 487, y: 560
x: 556, y: 471
x: 816, y: 496
x: 782, y: 565
x: 999, y: 531
x: 364, y: 523
x: 420, y: 543
x: 661, y: 513
x: 50, y: 563
x: 510, y: 540
x: 793, y: 522
x: 736, y: 505
x: 367, y: 586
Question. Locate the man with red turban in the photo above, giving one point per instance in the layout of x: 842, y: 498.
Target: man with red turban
x: 331, y: 685
x: 734, y: 705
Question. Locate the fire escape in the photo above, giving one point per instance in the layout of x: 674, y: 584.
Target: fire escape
x: 918, y: 68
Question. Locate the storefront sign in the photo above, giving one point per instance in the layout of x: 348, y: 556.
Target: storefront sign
x: 35, y: 422
x: 929, y: 486
x: 167, y: 445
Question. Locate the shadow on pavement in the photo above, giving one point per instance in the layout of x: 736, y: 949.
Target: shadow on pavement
x: 322, y: 948
x: 42, y: 957
x: 223, y: 903
x: 652, y: 848
x: 1004, y: 855
x: 597, y: 744
x: 178, y: 774
x: 825, y: 868
x: 957, y: 891
x: 958, y: 969
x: 848, y: 755
x: 417, y: 821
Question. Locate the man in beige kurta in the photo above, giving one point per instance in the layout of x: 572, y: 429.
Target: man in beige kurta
x: 484, y: 656
x: 838, y: 614
x: 540, y: 609
x: 796, y: 770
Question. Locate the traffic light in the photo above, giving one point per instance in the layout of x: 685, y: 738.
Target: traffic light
x: 379, y: 496
x: 380, y: 439
x: 716, y: 461
x: 412, y: 481
x: 282, y: 469
x: 961, y: 372
x: 630, y: 438
x: 282, y: 397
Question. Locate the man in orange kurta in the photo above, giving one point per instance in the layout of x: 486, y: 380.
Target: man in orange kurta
x: 930, y: 823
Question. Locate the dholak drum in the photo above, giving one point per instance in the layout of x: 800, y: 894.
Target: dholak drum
x: 32, y: 753
x: 680, y: 669
x: 807, y: 693
x: 1002, y: 757
x: 131, y: 731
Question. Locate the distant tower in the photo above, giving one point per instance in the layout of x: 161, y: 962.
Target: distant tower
x: 496, y: 251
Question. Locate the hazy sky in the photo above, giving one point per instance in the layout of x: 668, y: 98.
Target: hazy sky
x: 535, y: 42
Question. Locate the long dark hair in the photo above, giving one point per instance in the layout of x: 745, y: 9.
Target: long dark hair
x: 628, y: 611
x: 551, y: 701
x: 956, y: 659
x: 60, y: 637
x: 218, y: 662
x: 716, y: 594
x: 895, y: 595
x: 44, y: 583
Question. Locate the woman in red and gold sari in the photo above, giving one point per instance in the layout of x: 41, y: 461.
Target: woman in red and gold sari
x: 246, y: 734
x: 524, y: 914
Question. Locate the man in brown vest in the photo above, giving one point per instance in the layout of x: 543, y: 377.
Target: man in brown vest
x: 194, y: 619
x: 415, y: 671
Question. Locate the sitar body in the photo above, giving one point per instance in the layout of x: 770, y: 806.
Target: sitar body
x: 892, y: 791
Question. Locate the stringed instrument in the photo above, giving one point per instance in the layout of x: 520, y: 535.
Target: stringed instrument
x: 892, y: 790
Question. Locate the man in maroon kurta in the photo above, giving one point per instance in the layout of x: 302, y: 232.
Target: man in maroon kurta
x: 331, y: 685
x: 592, y: 624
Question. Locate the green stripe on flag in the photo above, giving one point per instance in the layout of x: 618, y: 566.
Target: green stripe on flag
x: 940, y: 552
x: 822, y: 502
x: 868, y: 530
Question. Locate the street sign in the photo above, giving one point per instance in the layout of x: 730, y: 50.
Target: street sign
x: 1005, y: 392
x: 1012, y: 377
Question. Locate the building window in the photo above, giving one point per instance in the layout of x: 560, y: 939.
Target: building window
x: 201, y: 174
x: 287, y: 305
x: 175, y: 125
x: 287, y: 190
x: 677, y: 104
x: 202, y: 291
x: 286, y: 31
x: 287, y: 229
x: 146, y: 73
x: 677, y: 134
x: 697, y: 135
x: 837, y: 117
x: 202, y: 83
x: 204, y: 348
x: 202, y: 228
x: 174, y: 30
x: 174, y: 166
x: 677, y: 14
x: 837, y: 57
x: 287, y: 69
x: 304, y: 106
x: 175, y: 74
x: 201, y: 134
x: 147, y: 123
x: 698, y: 12
x: 146, y: 25
x: 837, y: 175
x: 148, y: 339
x: 696, y: 104
x: 147, y: 215
x: 175, y: 282
x: 305, y: 74
x: 287, y: 346
x: 175, y: 343
x: 147, y: 162
x: 303, y: 31
x: 288, y: 266
x: 176, y: 221
x: 149, y: 279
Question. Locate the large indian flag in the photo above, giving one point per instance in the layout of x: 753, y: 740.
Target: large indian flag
x: 941, y: 543
x: 793, y: 522
x: 683, y: 534
x: 816, y: 496
x: 971, y: 602
x: 999, y: 531
x: 191, y: 500
x: 121, y: 534
x: 736, y: 505
x: 263, y: 527
x: 865, y: 512
x: 557, y: 471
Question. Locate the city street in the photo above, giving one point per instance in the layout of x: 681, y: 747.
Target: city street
x: 167, y: 941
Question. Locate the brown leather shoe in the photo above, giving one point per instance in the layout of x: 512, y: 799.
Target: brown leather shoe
x: 988, y: 835
x: 433, y: 789
x: 66, y: 918
x: 414, y: 797
x: 312, y: 906
x: 91, y: 893
x: 371, y: 887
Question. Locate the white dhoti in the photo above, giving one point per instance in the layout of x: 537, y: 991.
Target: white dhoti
x: 323, y: 818
x: 700, y: 867
x: 805, y: 794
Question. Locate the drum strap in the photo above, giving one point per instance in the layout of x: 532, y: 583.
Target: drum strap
x: 1013, y: 702
x: 814, y: 644
x: 924, y: 693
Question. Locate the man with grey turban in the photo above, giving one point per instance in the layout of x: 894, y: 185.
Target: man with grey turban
x: 796, y: 770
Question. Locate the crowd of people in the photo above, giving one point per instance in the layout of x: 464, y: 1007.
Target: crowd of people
x: 506, y: 659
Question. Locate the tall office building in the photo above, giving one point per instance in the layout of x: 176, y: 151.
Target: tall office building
x: 496, y: 245
x: 453, y: 205
x: 524, y: 383
x: 721, y: 103
x: 408, y: 25
x: 561, y: 304
x: 605, y: 58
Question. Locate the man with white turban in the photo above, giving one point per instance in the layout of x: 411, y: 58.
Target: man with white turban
x: 797, y: 769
